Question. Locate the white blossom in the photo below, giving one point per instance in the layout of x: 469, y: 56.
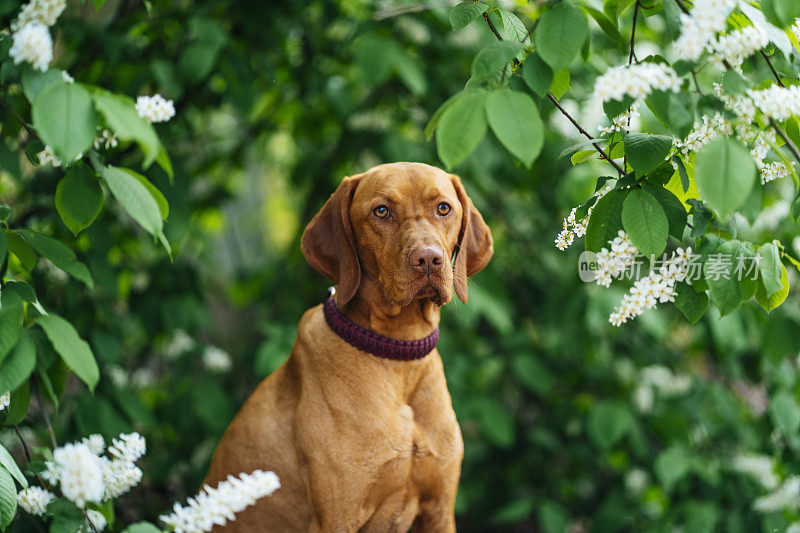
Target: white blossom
x: 5, y: 400
x: 216, y: 359
x: 216, y: 506
x: 95, y: 442
x: 80, y: 473
x: 572, y: 228
x: 643, y: 398
x: 775, y: 171
x: 700, y: 26
x: 32, y: 43
x: 48, y: 156
x: 777, y: 102
x: 629, y: 120
x: 119, y: 476
x: 667, y: 383
x: 96, y: 519
x: 179, y: 343
x: 636, y: 81
x: 711, y: 128
x: 34, y: 500
x: 613, y: 262
x: 796, y: 29
x: 66, y: 77
x: 738, y: 45
x: 787, y: 496
x: 759, y: 467
x: 43, y: 12
x: 657, y: 287
x: 106, y: 139
x: 129, y: 447
x: 155, y: 108
x: 636, y: 481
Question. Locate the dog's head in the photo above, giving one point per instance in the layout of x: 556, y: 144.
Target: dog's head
x: 410, y: 228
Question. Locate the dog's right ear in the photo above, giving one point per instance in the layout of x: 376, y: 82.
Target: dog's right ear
x: 329, y: 245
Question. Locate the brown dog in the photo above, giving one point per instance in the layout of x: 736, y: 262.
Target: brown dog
x: 361, y: 442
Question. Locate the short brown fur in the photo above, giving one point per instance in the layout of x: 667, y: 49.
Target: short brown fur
x: 362, y: 443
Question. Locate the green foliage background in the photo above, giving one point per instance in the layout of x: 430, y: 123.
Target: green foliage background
x: 276, y: 102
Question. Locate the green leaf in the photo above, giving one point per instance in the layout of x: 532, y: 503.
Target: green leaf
x: 785, y: 412
x: 606, y: 220
x: 646, y: 152
x: 515, y: 121
x: 608, y: 422
x: 701, y: 216
x: 579, y: 157
x: 462, y: 127
x: 673, y: 15
x: 18, y: 407
x: 437, y: 115
x: 65, y: 118
x: 120, y: 114
x: 59, y: 254
x: 614, y: 108
x: 645, y: 221
x: 135, y: 197
x: 74, y: 351
x: 771, y: 302
x: 608, y: 27
x: 537, y: 75
x: 463, y: 14
x: 514, y: 27
x: 532, y: 374
x: 719, y: 273
x: 560, y: 35
x: 98, y: 4
x: 495, y: 422
x: 734, y: 83
x: 782, y: 13
x: 17, y: 367
x: 725, y: 173
x: 671, y: 466
x: 21, y: 249
x: 34, y: 81
x: 770, y: 268
x: 79, y: 198
x: 691, y: 303
x: 674, y: 110
x: 493, y: 58
x: 8, y: 499
x: 560, y: 83
x: 163, y: 206
x: 10, y: 325
x: 673, y: 208
x: 7, y: 462
x: 165, y: 163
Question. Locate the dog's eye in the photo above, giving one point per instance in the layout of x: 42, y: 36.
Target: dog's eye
x: 381, y: 211
x: 443, y: 208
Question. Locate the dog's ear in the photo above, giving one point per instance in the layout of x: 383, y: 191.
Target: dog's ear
x: 475, y: 246
x: 329, y: 245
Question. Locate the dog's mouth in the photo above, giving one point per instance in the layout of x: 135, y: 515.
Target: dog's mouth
x: 431, y: 292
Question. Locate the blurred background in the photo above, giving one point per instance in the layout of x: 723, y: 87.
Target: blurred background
x: 569, y: 423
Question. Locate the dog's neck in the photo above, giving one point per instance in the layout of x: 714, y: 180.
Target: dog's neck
x: 370, y: 309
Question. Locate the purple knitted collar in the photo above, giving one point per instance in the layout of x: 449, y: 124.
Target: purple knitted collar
x: 370, y: 342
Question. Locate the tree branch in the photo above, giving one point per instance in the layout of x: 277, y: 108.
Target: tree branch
x: 789, y: 144
x: 682, y: 6
x: 43, y: 409
x: 766, y: 58
x: 491, y: 25
x: 632, y: 54
x: 14, y: 114
x: 585, y: 133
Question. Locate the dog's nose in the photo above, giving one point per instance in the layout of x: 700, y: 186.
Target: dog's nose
x: 427, y: 259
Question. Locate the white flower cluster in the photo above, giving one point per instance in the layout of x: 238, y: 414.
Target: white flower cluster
x: 661, y: 380
x: 34, y: 500
x: 774, y: 171
x: 5, y: 400
x: 84, y: 474
x: 624, y: 121
x: 572, y: 228
x: 612, y: 263
x: 777, y: 102
x: 636, y: 81
x: 216, y: 359
x: 106, y: 139
x: 711, y: 128
x: 155, y: 108
x: 657, y: 287
x: 706, y: 19
x: 44, y: 12
x: 796, y: 28
x: 787, y: 496
x: 738, y: 45
x: 32, y: 43
x: 179, y: 343
x: 759, y: 467
x: 97, y: 520
x: 216, y: 506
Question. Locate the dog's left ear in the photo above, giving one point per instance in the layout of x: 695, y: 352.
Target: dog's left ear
x: 475, y: 245
x: 329, y: 245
